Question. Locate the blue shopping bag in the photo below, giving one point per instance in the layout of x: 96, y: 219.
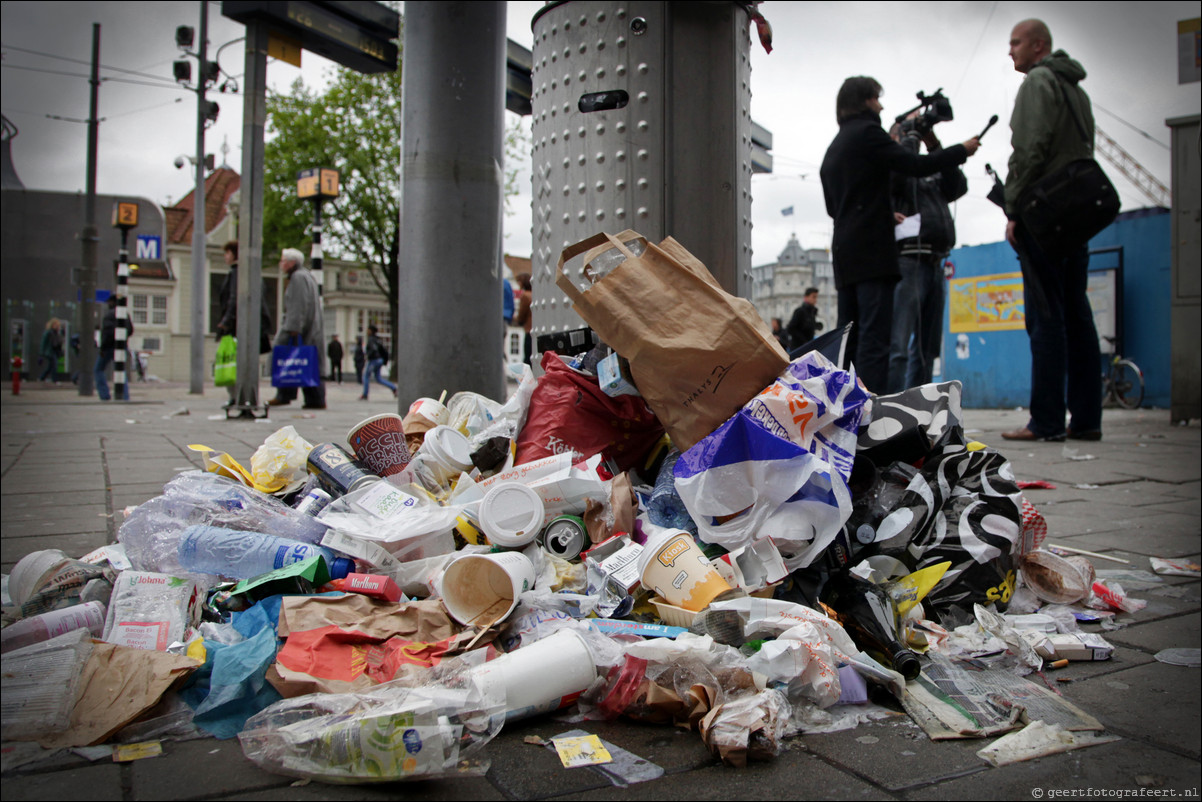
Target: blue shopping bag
x: 295, y: 365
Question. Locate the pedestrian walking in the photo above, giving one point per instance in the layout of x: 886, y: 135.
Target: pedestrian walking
x: 377, y: 358
x: 303, y: 320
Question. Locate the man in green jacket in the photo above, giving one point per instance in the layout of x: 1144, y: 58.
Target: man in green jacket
x: 1059, y: 320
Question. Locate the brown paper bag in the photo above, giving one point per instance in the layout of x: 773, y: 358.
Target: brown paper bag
x: 696, y: 352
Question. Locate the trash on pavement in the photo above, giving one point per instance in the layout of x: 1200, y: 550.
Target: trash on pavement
x: 1175, y: 567
x: 748, y: 548
x: 1038, y: 739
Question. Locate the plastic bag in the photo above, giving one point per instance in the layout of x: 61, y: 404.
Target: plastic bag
x: 779, y: 467
x: 388, y: 734
x: 569, y: 412
x: 152, y: 611
x: 225, y: 367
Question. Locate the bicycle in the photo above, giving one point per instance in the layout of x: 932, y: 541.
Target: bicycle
x: 1122, y: 380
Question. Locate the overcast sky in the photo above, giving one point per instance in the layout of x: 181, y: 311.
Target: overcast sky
x: 1129, y: 51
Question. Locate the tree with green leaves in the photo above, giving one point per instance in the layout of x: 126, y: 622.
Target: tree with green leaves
x: 354, y: 126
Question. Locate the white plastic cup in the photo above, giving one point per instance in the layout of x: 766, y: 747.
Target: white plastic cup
x: 482, y: 589
x: 545, y: 676
x: 511, y: 515
x: 447, y: 453
x: 679, y: 573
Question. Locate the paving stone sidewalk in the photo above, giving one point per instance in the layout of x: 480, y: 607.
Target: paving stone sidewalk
x: 70, y: 466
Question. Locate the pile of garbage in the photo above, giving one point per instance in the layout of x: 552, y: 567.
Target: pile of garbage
x: 680, y: 525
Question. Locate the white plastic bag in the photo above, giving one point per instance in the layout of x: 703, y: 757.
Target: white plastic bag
x: 279, y: 464
x: 779, y: 467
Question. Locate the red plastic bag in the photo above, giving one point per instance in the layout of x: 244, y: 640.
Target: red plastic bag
x: 570, y: 412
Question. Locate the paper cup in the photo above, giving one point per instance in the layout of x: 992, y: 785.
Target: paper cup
x: 447, y: 453
x: 543, y: 677
x: 430, y: 409
x: 379, y: 443
x: 482, y: 589
x: 511, y: 514
x: 679, y: 573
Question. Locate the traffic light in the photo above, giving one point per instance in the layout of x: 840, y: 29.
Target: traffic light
x: 211, y: 71
x: 182, y: 71
x: 211, y: 110
x: 184, y: 35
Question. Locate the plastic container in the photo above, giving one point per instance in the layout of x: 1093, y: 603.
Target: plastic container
x: 89, y: 616
x: 239, y: 554
x: 511, y: 515
x: 545, y: 676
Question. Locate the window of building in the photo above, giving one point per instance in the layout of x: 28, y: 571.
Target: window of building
x: 147, y: 309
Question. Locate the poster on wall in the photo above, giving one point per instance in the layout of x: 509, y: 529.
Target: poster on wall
x: 986, y: 303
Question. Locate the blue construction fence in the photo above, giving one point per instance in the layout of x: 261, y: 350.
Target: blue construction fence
x: 985, y: 344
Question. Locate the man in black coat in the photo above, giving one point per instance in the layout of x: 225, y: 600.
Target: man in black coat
x: 855, y: 184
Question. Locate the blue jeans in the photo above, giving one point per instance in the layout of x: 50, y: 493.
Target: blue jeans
x: 869, y: 304
x: 917, y: 321
x: 373, y: 369
x: 102, y: 385
x: 1065, y: 358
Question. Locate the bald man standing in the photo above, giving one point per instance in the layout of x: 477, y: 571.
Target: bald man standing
x: 1053, y: 125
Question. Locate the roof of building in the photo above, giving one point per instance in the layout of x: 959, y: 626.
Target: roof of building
x: 220, y: 185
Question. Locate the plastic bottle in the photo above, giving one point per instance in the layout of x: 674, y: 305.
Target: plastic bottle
x: 665, y: 507
x: 870, y: 617
x: 242, y: 555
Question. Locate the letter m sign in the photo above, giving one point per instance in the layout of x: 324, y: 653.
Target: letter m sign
x: 148, y: 247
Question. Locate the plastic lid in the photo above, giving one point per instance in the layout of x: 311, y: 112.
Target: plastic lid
x: 511, y: 514
x: 449, y: 446
x: 341, y: 567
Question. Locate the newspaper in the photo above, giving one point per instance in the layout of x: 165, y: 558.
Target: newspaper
x: 970, y: 699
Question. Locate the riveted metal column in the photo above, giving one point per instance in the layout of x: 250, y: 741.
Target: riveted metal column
x: 640, y: 120
x: 453, y: 94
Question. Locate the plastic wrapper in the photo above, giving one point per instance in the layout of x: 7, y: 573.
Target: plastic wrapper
x: 40, y: 684
x: 906, y: 426
x: 152, y: 532
x: 965, y: 508
x: 779, y: 467
x: 748, y: 728
x: 152, y: 611
x: 48, y: 580
x: 279, y: 465
x: 406, y: 521
x: 388, y: 734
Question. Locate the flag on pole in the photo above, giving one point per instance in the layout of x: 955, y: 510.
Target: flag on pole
x: 787, y: 211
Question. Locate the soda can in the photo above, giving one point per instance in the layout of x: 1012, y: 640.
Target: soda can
x: 337, y: 472
x: 565, y: 537
x: 314, y: 501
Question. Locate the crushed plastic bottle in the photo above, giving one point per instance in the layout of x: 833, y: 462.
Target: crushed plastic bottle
x: 665, y: 507
x: 240, y: 554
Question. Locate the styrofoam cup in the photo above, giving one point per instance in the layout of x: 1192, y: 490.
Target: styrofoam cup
x: 679, y: 573
x: 544, y: 676
x: 511, y: 514
x: 482, y: 589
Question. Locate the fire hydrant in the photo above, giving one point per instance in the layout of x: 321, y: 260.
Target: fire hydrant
x: 16, y: 364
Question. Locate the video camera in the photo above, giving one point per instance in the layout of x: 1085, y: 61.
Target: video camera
x: 936, y: 109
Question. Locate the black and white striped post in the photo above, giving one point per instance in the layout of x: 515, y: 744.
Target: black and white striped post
x: 125, y: 217
x: 318, y: 184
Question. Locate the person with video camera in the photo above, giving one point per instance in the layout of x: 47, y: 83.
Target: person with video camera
x: 855, y: 183
x: 918, y: 297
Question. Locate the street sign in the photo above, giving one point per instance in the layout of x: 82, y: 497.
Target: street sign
x: 317, y: 182
x: 125, y: 214
x: 148, y: 247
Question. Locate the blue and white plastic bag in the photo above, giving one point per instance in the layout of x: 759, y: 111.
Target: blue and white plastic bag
x: 779, y: 467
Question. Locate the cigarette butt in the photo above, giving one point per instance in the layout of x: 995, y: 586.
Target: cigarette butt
x: 1058, y: 663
